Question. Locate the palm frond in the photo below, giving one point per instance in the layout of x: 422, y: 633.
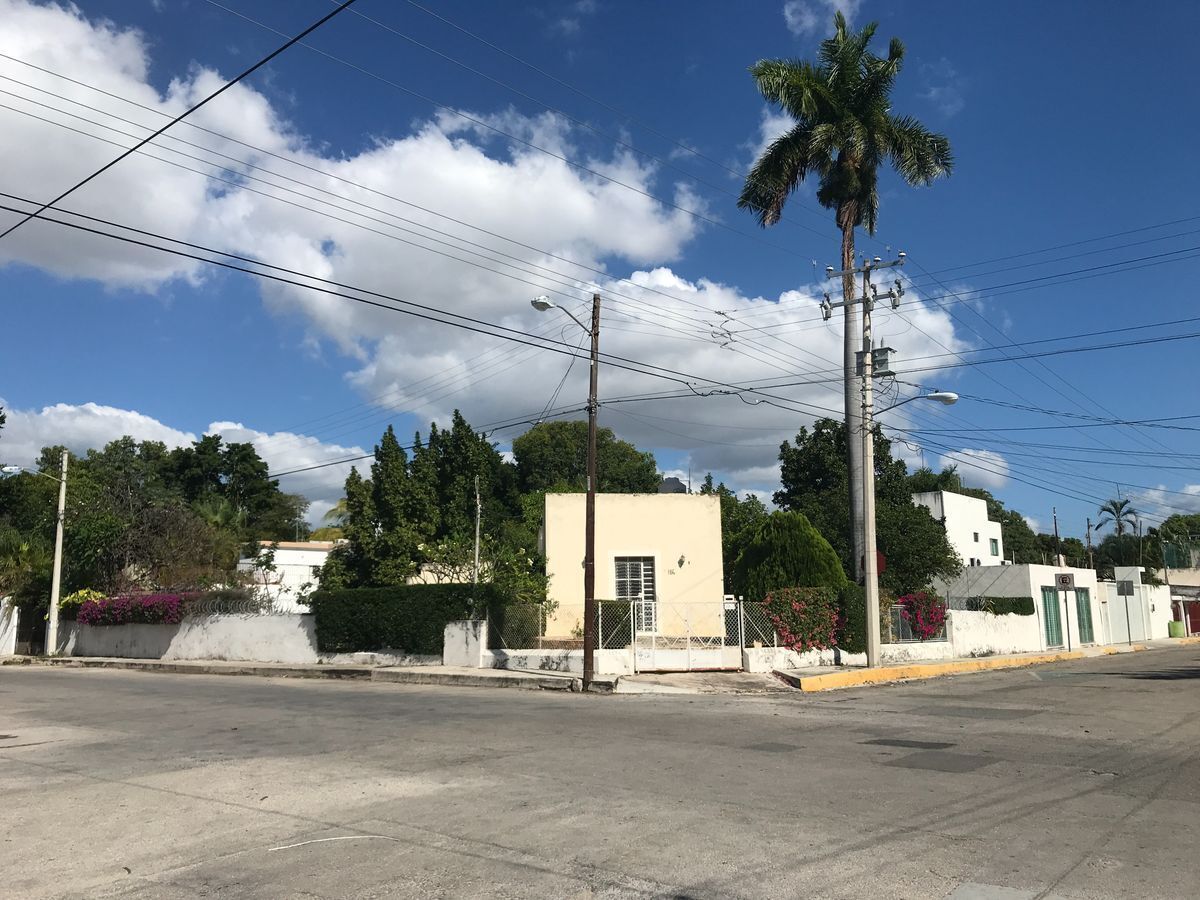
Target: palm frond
x: 799, y: 87
x: 917, y: 153
x: 775, y: 175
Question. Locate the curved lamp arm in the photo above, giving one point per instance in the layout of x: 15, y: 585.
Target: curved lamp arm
x: 946, y: 398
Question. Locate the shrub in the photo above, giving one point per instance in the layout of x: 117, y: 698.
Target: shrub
x: 804, y: 618
x: 410, y: 617
x: 152, y: 609
x: 786, y: 551
x: 852, y: 618
x: 68, y: 606
x: 999, y: 606
x: 924, y: 612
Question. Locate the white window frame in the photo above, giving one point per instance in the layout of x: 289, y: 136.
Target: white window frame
x: 645, y: 600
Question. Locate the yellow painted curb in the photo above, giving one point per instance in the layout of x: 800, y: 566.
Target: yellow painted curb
x: 857, y: 677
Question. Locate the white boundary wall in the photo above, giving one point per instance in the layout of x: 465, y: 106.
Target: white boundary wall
x: 8, y: 627
x: 286, y: 638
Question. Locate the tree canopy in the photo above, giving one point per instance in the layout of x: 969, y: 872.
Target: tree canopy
x: 552, y: 456
x: 139, y: 515
x: 813, y: 472
x: 844, y: 130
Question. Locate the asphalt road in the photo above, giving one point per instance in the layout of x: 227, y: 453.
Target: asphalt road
x: 1074, y: 780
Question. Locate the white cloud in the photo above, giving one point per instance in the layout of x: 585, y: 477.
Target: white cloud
x: 803, y: 17
x: 695, y: 325
x: 78, y: 428
x: 570, y: 24
x: 979, y: 468
x: 1033, y: 523
x: 1155, y: 504
x: 772, y: 125
x: 89, y: 426
x: 944, y: 87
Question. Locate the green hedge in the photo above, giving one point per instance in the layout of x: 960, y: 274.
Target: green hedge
x: 852, y: 611
x: 1019, y: 606
x: 409, y: 617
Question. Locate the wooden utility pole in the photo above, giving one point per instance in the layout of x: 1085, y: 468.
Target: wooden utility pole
x: 590, y: 615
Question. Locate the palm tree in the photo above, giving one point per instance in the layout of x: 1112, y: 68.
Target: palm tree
x: 1120, y: 513
x: 844, y: 132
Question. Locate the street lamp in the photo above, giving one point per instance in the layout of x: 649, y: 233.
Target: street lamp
x: 542, y: 304
x: 870, y: 560
x: 56, y: 579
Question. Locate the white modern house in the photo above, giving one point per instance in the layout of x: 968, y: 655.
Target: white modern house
x: 975, y: 538
x: 1065, y: 619
x: 294, y: 571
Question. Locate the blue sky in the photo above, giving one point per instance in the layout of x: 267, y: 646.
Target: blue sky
x: 1069, y: 122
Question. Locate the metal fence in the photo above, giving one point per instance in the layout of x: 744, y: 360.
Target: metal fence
x: 900, y: 631
x: 757, y: 628
x: 522, y: 626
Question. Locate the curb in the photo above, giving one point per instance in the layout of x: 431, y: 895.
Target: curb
x: 1113, y: 650
x: 529, y: 682
x: 261, y: 670
x: 863, y: 677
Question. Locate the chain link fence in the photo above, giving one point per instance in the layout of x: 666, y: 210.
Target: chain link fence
x: 757, y: 628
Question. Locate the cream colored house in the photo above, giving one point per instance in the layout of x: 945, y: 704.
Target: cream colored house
x: 661, y: 553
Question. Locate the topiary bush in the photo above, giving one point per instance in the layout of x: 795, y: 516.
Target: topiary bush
x: 409, y: 617
x: 785, y: 551
x: 804, y: 618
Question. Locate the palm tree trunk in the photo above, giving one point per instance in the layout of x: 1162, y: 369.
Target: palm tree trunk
x: 846, y: 215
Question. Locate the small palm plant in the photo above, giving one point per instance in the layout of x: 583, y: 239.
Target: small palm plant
x: 1120, y: 514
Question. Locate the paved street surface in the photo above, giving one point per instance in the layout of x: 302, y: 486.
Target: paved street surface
x: 1073, y: 780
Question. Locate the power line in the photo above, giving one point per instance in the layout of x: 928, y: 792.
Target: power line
x: 468, y: 323
x: 183, y: 115
x: 324, y: 173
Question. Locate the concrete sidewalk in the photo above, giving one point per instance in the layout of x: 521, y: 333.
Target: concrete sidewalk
x: 460, y: 676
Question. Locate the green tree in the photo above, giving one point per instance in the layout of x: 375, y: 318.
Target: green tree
x: 739, y: 519
x: 552, y: 456
x: 844, y: 131
x: 815, y: 477
x: 925, y: 480
x: 785, y: 551
x: 1120, y: 514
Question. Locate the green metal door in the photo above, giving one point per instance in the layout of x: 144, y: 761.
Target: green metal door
x: 1083, y: 607
x: 1052, y: 617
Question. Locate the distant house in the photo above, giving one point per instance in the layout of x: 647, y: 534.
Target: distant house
x: 672, y: 485
x: 659, y: 553
x: 976, y: 538
x: 294, y: 564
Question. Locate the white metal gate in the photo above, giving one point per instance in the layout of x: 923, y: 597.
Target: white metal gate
x: 681, y: 636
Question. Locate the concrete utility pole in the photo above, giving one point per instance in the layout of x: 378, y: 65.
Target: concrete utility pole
x: 478, y: 511
x: 1091, y: 558
x: 863, y: 436
x: 56, y: 579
